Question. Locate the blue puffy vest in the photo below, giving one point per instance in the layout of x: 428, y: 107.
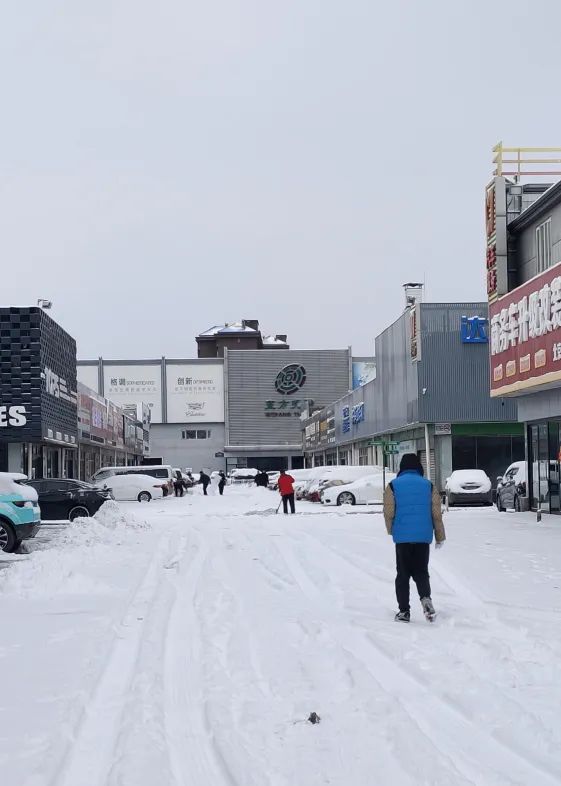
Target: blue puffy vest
x: 413, y: 508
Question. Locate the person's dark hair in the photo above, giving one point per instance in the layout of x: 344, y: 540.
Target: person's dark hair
x: 410, y: 462
x: 283, y: 472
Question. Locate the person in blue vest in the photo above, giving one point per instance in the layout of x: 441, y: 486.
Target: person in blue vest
x: 413, y: 514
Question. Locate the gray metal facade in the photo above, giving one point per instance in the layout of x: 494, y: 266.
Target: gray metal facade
x: 454, y: 377
x: 250, y: 385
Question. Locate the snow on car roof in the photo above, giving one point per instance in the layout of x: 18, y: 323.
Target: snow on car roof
x: 465, y: 474
x: 132, y: 479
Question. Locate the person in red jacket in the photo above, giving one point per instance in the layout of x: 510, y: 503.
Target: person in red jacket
x: 286, y: 489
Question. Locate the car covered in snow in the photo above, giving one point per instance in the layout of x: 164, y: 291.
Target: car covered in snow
x: 364, y: 491
x: 162, y: 472
x: 468, y: 487
x: 20, y: 516
x: 511, y: 486
x: 311, y: 482
x: 243, y: 475
x: 142, y: 488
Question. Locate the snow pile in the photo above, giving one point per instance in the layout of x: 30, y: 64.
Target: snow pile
x: 63, y: 564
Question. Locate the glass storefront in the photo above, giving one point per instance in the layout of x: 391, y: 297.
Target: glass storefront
x: 544, y: 455
x: 491, y: 453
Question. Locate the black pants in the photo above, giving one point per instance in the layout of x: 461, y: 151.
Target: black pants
x: 205, y: 486
x: 221, y: 488
x: 178, y: 489
x: 412, y: 562
x: 286, y: 498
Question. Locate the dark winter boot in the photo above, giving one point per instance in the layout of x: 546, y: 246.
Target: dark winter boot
x: 428, y: 609
x: 402, y: 616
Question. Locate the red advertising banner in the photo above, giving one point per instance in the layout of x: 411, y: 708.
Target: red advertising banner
x: 526, y: 335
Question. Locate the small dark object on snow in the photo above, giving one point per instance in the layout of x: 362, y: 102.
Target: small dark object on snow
x: 314, y: 718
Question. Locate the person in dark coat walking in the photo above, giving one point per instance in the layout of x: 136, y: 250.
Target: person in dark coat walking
x: 413, y: 513
x: 261, y: 479
x: 204, y: 480
x: 178, y: 484
x: 221, y: 482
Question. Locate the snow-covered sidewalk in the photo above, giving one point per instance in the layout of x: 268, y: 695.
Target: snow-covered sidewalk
x: 185, y: 642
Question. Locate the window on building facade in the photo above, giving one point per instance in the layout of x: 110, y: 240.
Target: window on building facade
x: 543, y: 245
x: 363, y: 457
x: 195, y: 434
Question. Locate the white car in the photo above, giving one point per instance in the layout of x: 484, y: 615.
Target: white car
x: 138, y: 487
x: 468, y: 487
x: 365, y: 491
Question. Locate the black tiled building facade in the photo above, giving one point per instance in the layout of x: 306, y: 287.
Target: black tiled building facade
x: 38, y: 410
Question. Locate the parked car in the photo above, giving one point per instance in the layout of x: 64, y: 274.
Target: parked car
x: 243, y: 475
x: 65, y: 499
x: 365, y: 491
x: 163, y: 472
x: 511, y: 486
x: 468, y: 487
x: 138, y: 487
x: 20, y: 516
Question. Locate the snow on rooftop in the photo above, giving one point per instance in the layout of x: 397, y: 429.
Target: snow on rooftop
x: 270, y: 340
x: 229, y: 327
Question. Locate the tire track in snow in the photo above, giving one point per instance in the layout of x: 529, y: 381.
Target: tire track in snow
x: 91, y: 754
x: 512, y: 706
x: 435, y: 718
x: 195, y: 758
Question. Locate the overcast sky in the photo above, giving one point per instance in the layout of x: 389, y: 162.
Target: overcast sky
x: 169, y: 166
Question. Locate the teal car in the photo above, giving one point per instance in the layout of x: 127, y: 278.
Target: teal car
x: 20, y: 516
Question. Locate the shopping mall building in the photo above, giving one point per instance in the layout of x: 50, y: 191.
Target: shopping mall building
x: 430, y: 396
x: 523, y: 261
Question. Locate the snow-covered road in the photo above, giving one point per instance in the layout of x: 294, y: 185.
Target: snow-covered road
x: 184, y: 643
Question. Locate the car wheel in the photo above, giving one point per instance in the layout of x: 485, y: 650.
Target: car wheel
x: 346, y: 498
x: 79, y: 512
x: 144, y: 496
x: 8, y: 538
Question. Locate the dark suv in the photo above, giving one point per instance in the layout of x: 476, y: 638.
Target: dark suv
x: 61, y: 499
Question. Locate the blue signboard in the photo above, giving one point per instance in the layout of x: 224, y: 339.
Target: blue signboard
x: 474, y: 330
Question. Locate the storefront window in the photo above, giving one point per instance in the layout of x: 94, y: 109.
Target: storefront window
x: 53, y: 468
x: 543, y: 447
x: 553, y: 433
x: 363, y: 457
x: 36, y: 461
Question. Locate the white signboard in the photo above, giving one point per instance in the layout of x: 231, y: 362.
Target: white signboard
x: 442, y: 429
x: 195, y: 393
x: 131, y: 385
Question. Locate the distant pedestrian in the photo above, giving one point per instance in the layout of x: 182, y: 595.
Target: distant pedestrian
x: 286, y: 489
x: 204, y: 480
x: 261, y: 479
x: 413, y: 512
x: 178, y: 484
x: 221, y: 482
